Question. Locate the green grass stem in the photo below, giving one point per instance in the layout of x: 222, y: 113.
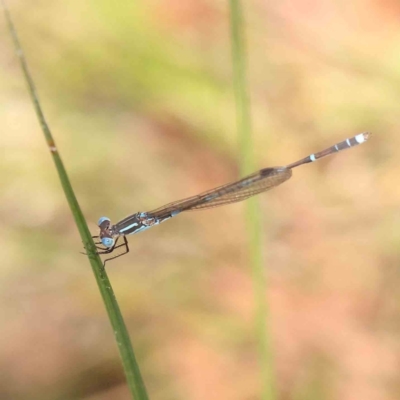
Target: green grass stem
x: 252, y: 213
x: 131, y: 368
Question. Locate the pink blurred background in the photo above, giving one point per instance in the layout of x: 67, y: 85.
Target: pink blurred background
x: 139, y: 97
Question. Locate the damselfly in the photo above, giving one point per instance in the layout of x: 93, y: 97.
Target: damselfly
x: 242, y: 189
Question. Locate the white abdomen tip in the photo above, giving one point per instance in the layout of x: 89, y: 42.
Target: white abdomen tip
x: 362, y: 137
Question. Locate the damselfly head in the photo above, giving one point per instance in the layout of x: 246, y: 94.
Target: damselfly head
x: 104, y: 222
x: 105, y: 233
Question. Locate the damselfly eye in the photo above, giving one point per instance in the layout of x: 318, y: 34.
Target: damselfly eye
x: 102, y: 219
x: 107, y: 241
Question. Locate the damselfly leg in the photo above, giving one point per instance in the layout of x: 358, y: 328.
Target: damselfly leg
x: 101, y: 249
x: 108, y: 251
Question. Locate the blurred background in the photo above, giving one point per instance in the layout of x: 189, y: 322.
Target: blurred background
x: 139, y: 97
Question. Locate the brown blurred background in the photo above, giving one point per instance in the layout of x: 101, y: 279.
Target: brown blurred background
x: 139, y: 97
